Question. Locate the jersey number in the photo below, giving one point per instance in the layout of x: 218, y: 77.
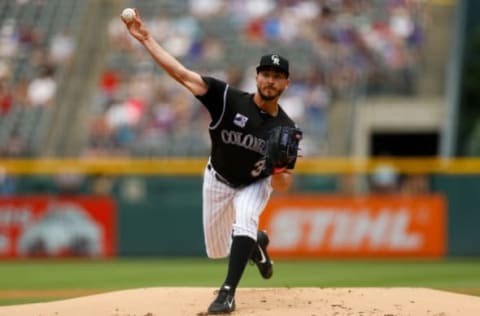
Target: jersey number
x: 258, y: 168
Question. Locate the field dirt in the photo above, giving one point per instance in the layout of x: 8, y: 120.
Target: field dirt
x: 260, y: 302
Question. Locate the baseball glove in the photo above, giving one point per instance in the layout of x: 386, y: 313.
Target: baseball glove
x: 281, y: 148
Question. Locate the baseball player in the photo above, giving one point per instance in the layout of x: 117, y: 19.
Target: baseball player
x: 235, y: 186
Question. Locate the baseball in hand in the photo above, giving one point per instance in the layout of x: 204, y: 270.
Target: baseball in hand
x: 128, y: 14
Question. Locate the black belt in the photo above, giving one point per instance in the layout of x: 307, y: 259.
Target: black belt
x: 222, y: 179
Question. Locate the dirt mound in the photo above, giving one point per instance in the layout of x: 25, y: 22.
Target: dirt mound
x: 260, y: 302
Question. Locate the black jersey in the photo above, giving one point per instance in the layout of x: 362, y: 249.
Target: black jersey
x: 238, y: 132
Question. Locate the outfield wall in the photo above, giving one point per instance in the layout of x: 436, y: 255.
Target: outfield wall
x: 158, y: 207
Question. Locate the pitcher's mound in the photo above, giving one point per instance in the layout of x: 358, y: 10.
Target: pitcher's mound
x: 260, y: 302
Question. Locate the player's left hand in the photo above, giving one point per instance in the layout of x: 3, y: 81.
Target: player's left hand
x: 279, y: 170
x: 282, y: 181
x: 281, y: 148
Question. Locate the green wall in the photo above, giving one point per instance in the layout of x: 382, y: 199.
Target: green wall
x: 161, y: 215
x: 167, y: 222
x: 463, y: 196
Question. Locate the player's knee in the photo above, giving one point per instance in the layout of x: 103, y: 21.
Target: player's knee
x: 216, y: 254
x: 250, y: 231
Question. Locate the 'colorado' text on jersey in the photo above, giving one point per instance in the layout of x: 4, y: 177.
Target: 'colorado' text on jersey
x: 238, y: 132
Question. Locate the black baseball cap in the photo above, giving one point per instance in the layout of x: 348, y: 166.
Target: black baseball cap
x: 274, y: 61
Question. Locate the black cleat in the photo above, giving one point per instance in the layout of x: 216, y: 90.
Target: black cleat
x: 260, y: 256
x: 224, y: 303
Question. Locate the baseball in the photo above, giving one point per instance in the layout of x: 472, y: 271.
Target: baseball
x: 128, y: 14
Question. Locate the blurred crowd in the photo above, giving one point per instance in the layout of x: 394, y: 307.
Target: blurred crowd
x: 31, y: 59
x: 338, y: 49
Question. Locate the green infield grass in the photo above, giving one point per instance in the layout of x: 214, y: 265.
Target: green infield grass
x: 44, y: 280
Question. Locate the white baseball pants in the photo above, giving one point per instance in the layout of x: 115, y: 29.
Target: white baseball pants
x: 226, y: 209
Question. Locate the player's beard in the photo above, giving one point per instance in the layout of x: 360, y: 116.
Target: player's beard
x: 271, y: 97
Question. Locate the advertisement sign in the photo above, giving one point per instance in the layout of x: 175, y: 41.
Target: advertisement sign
x: 45, y: 226
x: 335, y: 226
